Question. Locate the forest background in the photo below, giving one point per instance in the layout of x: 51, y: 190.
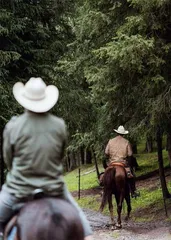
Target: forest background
x: 110, y: 59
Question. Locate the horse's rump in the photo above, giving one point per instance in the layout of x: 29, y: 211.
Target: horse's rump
x: 108, y: 178
x: 115, y: 177
x: 114, y: 182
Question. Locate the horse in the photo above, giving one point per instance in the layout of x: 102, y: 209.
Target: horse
x: 115, y: 182
x: 46, y: 218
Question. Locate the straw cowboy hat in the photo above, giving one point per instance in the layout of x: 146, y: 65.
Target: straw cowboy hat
x: 121, y: 130
x: 35, y: 95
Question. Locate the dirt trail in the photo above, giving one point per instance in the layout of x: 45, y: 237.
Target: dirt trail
x: 160, y: 230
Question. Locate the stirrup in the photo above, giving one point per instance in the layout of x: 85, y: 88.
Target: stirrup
x: 129, y: 175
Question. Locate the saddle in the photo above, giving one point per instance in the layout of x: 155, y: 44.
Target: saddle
x: 125, y: 166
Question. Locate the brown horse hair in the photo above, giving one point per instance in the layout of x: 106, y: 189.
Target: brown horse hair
x: 109, y: 185
x: 49, y: 218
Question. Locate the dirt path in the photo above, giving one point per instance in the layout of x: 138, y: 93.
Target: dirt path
x: 160, y: 230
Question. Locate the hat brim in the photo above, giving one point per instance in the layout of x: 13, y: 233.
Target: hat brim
x: 125, y: 132
x: 38, y: 106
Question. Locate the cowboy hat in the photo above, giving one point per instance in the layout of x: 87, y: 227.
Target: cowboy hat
x: 35, y: 95
x: 121, y: 130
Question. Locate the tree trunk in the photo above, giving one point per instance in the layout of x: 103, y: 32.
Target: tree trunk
x: 149, y: 144
x: 71, y: 161
x: 77, y: 159
x: 82, y: 155
x: 88, y: 156
x: 165, y: 191
x: 96, y: 164
x: 65, y: 161
x: 68, y: 162
x: 85, y: 153
x: 169, y: 146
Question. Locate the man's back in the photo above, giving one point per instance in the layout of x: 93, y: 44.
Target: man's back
x: 118, y: 148
x: 37, y: 141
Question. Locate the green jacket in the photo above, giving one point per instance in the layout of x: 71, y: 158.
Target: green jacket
x: 33, y: 146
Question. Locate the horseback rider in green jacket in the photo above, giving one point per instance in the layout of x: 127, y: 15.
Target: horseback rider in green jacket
x: 33, y: 148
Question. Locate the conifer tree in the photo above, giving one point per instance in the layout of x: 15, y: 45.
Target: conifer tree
x: 33, y: 36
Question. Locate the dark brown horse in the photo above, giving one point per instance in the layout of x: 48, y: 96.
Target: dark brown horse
x: 115, y: 182
x: 46, y: 219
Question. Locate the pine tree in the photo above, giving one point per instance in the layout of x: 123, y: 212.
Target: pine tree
x: 33, y: 36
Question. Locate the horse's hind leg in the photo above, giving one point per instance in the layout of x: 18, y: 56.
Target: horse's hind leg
x: 128, y: 201
x: 111, y: 209
x: 119, y: 201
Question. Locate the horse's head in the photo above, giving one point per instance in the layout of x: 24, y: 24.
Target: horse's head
x: 49, y: 218
x: 132, y: 161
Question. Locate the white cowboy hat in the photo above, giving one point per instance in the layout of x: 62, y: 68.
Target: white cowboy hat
x: 121, y: 130
x: 35, y: 95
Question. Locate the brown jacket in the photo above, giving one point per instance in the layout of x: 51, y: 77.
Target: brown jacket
x: 118, y: 149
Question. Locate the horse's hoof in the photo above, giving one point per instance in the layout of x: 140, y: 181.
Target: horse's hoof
x: 113, y: 228
x: 118, y: 225
x: 126, y: 218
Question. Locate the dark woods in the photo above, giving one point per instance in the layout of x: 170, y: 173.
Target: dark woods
x: 107, y: 74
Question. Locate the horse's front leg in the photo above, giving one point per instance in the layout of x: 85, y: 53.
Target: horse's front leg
x: 111, y: 209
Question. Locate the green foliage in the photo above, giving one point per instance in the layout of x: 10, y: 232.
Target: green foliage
x: 109, y: 59
x: 33, y: 36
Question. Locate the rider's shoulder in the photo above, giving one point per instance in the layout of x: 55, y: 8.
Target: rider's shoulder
x: 126, y: 140
x: 111, y: 140
x: 11, y: 123
x: 58, y: 120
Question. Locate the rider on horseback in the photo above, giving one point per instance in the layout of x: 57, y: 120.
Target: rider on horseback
x: 33, y: 148
x: 118, y: 150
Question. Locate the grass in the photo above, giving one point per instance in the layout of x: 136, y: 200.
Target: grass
x: 148, y: 198
x: 90, y: 202
x: 147, y: 161
x: 87, y: 181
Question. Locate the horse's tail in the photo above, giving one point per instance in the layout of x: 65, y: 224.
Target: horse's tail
x: 109, y: 184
